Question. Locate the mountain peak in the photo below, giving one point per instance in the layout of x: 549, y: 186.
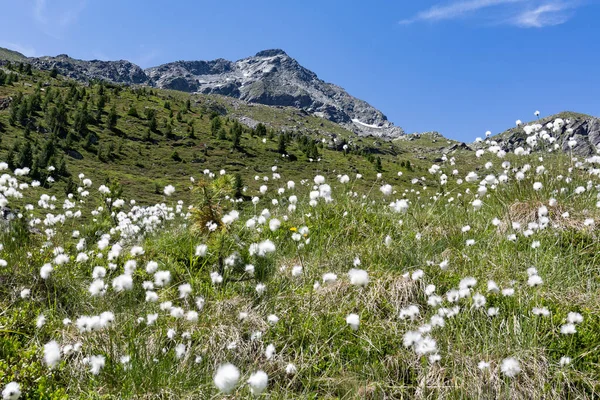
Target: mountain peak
x: 271, y: 53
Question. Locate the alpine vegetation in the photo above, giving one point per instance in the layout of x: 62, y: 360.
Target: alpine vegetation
x: 480, y: 279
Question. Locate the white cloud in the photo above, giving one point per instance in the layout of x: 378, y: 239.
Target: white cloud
x: 544, y: 15
x: 523, y: 13
x: 455, y: 10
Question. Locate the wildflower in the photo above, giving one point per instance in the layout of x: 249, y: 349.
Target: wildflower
x: 291, y: 369
x: 510, y: 367
x: 258, y: 382
x: 564, y: 361
x: 162, y: 278
x: 191, y: 316
x: 543, y: 311
x: 274, y: 224
x: 386, y: 190
x: 478, y: 300
x: 270, y: 352
x: 353, y: 321
x: 568, y: 329
x: 574, y: 318
x: 358, y: 277
x: 96, y: 364
x: 99, y: 272
x: 411, y: 312
x: 537, y: 186
x: 41, y: 320
x: 122, y: 282
x: 51, y: 354
x: 329, y: 278
x: 262, y: 249
x: 169, y: 190
x: 260, y: 288
x: 201, y: 250
x: 97, y: 288
x: 425, y: 346
x: 429, y: 290
x: 296, y: 270
x: 411, y: 338
x: 492, y: 287
x: 444, y: 264
x: 216, y: 278
x: 399, y: 206
x: 467, y: 283
x: 12, y: 391
x: 434, y: 358
x: 418, y: 274
x: 492, y: 311
x: 272, y: 319
x: 45, y: 271
x: 534, y: 280
x: 184, y: 290
x: 483, y: 365
x: 25, y: 293
x: 180, y: 351
x: 508, y: 292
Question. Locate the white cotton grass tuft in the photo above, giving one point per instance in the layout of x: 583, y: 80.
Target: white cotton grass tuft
x: 169, y: 190
x: 358, y: 277
x: 226, y: 378
x: 51, y: 354
x: 96, y: 364
x: 12, y: 391
x: 353, y: 321
x: 201, y: 250
x: 258, y: 382
x: 510, y: 367
x: 329, y: 277
x: 270, y: 351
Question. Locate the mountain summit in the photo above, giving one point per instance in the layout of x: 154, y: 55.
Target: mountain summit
x: 271, y: 77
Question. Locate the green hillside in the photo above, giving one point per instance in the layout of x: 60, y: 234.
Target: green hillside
x: 166, y: 136
x: 11, y: 55
x: 465, y: 277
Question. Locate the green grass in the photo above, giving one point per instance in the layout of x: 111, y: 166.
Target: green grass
x: 332, y: 361
x: 11, y: 55
x: 139, y: 165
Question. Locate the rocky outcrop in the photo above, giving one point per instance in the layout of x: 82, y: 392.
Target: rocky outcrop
x: 583, y: 129
x: 114, y: 71
x: 273, y: 78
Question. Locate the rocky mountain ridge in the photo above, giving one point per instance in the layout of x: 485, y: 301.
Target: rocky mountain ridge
x: 271, y: 77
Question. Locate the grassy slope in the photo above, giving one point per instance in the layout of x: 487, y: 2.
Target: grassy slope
x: 11, y: 55
x: 332, y: 360
x: 139, y: 164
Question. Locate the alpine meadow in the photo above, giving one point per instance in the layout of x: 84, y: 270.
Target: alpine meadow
x: 162, y: 241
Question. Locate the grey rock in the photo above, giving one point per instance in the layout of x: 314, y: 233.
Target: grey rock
x: 113, y: 71
x: 5, y: 102
x: 586, y: 131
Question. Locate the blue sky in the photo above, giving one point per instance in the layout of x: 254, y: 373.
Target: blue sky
x: 460, y: 67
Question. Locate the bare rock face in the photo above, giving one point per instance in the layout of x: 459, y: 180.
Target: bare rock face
x: 271, y: 77
x: 582, y: 128
x: 114, y: 71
